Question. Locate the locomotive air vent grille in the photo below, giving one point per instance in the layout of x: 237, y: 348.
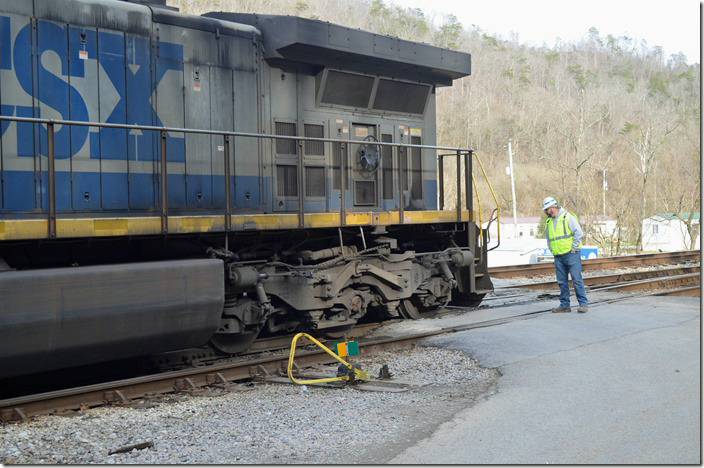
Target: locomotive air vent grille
x: 286, y: 181
x: 286, y: 146
x: 314, y: 148
x: 398, y: 96
x: 347, y: 89
x: 364, y: 192
x: 315, y: 181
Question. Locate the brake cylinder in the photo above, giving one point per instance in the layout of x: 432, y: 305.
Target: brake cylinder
x: 462, y: 258
x: 244, y: 276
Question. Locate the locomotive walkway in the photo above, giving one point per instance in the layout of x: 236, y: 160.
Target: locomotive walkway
x: 618, y: 385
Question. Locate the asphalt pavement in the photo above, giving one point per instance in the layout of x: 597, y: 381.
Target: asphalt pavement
x: 620, y: 384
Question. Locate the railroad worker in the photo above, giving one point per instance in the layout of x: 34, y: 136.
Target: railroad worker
x: 564, y: 236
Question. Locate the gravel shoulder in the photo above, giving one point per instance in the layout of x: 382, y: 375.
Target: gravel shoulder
x: 267, y: 423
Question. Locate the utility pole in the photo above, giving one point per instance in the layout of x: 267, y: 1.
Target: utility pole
x: 513, y: 189
x: 605, y: 187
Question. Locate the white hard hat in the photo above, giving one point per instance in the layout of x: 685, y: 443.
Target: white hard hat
x: 548, y: 202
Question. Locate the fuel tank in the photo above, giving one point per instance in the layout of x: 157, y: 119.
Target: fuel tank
x: 64, y: 317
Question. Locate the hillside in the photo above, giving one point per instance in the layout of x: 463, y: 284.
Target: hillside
x: 607, y: 126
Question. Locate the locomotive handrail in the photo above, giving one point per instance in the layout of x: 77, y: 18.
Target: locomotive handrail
x: 468, y: 165
x: 498, y: 208
x: 85, y: 123
x: 441, y: 178
x: 401, y: 150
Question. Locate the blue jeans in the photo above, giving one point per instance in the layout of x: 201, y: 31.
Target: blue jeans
x: 570, y: 263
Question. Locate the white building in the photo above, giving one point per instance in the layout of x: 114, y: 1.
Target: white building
x: 525, y: 228
x: 515, y: 251
x: 599, y: 229
x: 667, y: 232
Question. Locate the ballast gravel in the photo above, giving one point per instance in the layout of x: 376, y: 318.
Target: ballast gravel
x: 265, y: 423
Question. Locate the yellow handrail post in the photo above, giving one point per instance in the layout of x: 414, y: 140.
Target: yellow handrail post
x: 498, y: 209
x: 479, y: 202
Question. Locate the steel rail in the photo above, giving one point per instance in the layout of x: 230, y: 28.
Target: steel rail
x: 177, y: 360
x: 186, y: 380
x: 668, y: 282
x: 280, y: 342
x: 691, y: 291
x: 598, y: 263
x: 611, y: 280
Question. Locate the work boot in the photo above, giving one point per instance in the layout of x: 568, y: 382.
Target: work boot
x: 582, y: 309
x: 561, y: 309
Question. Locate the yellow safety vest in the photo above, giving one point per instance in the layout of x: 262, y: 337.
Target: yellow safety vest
x: 560, y: 237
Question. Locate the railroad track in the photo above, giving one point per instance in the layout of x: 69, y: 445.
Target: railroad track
x: 176, y: 360
x: 605, y: 263
x: 193, y: 381
x: 223, y: 375
x: 685, y: 280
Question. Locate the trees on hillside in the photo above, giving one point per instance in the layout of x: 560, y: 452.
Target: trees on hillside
x: 577, y: 112
x: 583, y: 111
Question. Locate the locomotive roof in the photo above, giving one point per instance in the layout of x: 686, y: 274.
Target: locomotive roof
x: 292, y: 41
x: 132, y: 16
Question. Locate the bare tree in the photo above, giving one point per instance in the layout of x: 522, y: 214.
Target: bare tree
x: 653, y: 121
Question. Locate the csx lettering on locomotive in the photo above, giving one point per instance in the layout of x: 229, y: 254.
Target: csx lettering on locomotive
x: 69, y: 63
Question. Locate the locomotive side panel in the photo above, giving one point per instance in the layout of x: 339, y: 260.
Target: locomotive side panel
x: 430, y: 161
x: 170, y: 106
x: 72, y: 72
x: 222, y: 117
x: 19, y: 192
x: 248, y: 161
x: 283, y: 89
x: 216, y: 72
x: 56, y: 66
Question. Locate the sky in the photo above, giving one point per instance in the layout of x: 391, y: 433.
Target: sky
x: 674, y: 25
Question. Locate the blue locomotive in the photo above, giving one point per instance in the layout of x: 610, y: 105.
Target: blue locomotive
x: 170, y: 181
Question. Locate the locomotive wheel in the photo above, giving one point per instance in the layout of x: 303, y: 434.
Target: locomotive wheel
x: 412, y: 309
x: 233, y: 343
x: 463, y: 299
